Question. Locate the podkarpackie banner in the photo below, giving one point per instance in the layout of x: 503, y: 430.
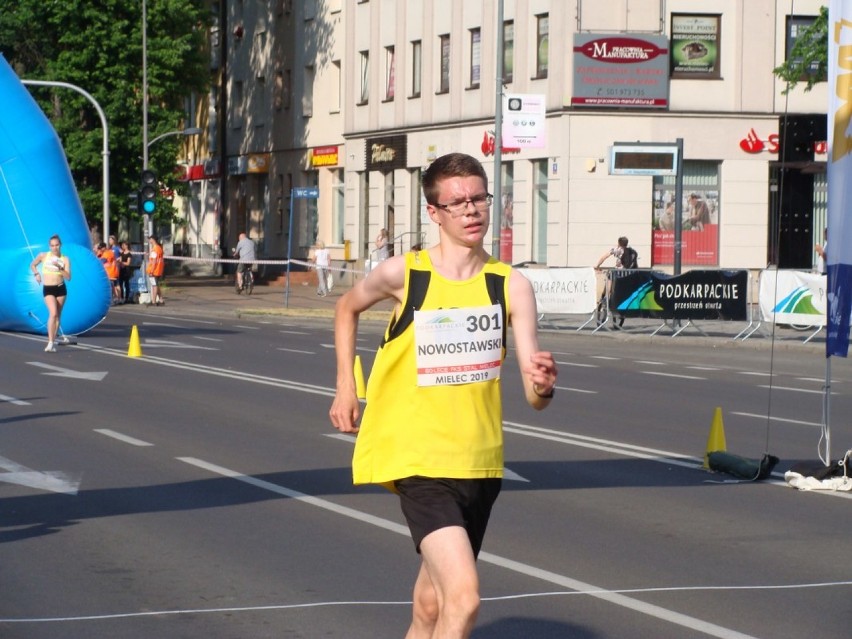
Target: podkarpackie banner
x: 708, y: 295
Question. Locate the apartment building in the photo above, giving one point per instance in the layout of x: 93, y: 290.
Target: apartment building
x: 353, y: 98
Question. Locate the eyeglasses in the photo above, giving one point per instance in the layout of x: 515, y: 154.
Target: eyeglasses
x: 457, y: 209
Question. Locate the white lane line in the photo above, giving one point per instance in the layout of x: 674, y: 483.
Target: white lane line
x: 127, y: 439
x: 794, y: 390
x: 508, y: 474
x: 248, y: 328
x: 167, y: 343
x: 605, y: 357
x: 296, y: 350
x: 14, y: 400
x: 650, y: 363
x: 820, y: 380
x: 624, y: 601
x: 703, y: 368
x: 779, y: 419
x: 672, y: 375
x: 295, y: 332
x: 577, y: 364
x: 755, y: 373
x: 576, y: 390
x: 208, y: 339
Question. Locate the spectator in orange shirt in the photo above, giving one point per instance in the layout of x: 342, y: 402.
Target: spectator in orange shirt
x: 156, y: 265
x: 107, y: 257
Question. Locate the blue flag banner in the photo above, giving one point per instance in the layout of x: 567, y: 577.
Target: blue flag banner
x: 839, y: 240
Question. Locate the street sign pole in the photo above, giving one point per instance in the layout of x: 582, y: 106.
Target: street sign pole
x: 300, y: 193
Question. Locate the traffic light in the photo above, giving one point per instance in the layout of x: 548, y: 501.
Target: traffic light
x: 148, y: 192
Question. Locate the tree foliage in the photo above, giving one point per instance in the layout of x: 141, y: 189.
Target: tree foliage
x: 808, y: 60
x: 97, y: 45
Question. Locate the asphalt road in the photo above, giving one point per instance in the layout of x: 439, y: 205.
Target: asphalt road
x: 200, y: 491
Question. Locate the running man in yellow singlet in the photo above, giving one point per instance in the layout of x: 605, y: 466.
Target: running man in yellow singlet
x: 432, y: 428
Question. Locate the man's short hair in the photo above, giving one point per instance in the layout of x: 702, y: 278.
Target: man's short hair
x: 623, y: 241
x: 449, y: 166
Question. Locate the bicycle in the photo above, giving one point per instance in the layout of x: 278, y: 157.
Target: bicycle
x: 248, y: 283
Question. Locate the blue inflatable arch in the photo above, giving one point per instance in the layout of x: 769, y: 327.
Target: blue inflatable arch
x: 37, y: 200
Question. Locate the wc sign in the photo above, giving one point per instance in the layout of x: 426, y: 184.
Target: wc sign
x: 523, y: 120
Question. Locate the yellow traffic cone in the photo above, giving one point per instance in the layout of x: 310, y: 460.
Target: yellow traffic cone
x: 135, y: 349
x: 360, y: 386
x: 716, y: 440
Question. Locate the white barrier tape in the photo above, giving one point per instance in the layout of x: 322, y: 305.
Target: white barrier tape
x: 227, y: 260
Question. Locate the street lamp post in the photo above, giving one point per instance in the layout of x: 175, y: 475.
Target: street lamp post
x: 104, y: 152
x: 193, y: 130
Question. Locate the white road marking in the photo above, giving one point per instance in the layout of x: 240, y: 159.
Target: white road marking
x: 58, y: 371
x: 14, y: 400
x: 576, y: 390
x: 166, y: 343
x: 208, y: 339
x: 508, y: 474
x: 672, y: 375
x: 295, y: 332
x: 650, y: 363
x: 604, y: 357
x: 122, y: 438
x: 794, y: 390
x: 624, y: 601
x: 295, y: 350
x: 755, y: 373
x: 50, y: 480
x: 778, y: 419
x: 577, y: 364
x: 820, y: 380
x: 248, y: 328
x: 703, y: 368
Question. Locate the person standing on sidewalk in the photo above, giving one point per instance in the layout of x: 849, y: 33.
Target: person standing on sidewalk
x: 432, y: 428
x: 156, y: 268
x: 322, y: 261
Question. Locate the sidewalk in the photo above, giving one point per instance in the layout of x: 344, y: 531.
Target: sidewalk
x: 216, y: 295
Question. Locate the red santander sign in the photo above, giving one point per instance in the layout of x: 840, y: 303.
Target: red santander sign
x: 753, y: 144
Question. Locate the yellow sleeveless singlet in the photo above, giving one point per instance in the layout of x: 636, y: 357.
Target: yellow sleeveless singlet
x: 450, y: 429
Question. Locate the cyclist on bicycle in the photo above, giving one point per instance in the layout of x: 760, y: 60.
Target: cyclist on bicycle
x: 246, y: 254
x: 625, y: 258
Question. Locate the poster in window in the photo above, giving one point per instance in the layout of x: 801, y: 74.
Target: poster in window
x: 695, y: 47
x: 699, y: 227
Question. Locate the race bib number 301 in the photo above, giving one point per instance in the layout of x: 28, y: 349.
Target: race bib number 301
x: 459, y: 345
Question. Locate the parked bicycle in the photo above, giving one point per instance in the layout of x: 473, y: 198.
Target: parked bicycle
x: 248, y: 283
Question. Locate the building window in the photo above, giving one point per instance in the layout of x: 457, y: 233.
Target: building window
x: 338, y: 208
x: 334, y: 84
x: 508, y: 50
x: 542, y: 30
x: 288, y: 88
x: 700, y: 216
x: 309, y: 232
x: 445, y: 64
x: 796, y: 26
x: 416, y: 65
x: 539, y: 211
x: 419, y: 215
x: 364, y: 96
x: 259, y: 108
x: 696, y: 46
x: 308, y: 96
x: 390, y: 72
x: 475, y: 58
x: 278, y: 91
x: 237, y: 111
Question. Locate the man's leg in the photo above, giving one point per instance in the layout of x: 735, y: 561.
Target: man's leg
x: 446, y: 594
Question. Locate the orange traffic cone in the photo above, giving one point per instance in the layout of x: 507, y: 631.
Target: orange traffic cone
x: 135, y: 349
x: 360, y: 386
x: 716, y: 439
